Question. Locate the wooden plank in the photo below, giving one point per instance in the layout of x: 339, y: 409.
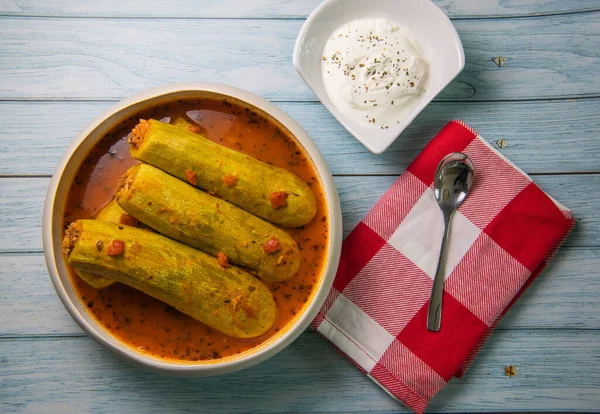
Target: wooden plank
x: 556, y: 371
x: 512, y: 8
x: 111, y: 58
x: 266, y: 9
x: 23, y: 198
x: 564, y: 296
x: 41, y: 130
x: 28, y: 302
x: 541, y: 136
x: 21, y: 207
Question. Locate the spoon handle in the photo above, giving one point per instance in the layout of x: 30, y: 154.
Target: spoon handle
x: 434, y: 315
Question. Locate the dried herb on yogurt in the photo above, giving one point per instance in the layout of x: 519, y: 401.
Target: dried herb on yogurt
x: 368, y: 65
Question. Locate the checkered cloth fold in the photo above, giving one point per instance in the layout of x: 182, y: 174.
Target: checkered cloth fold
x: 501, y: 237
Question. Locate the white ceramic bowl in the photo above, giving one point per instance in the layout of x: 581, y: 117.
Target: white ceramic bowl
x: 431, y: 28
x: 55, y: 203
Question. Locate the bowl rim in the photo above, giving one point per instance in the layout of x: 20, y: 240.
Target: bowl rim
x: 391, y: 135
x: 215, y: 368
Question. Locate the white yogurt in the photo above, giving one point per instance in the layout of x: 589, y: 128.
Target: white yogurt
x: 374, y: 71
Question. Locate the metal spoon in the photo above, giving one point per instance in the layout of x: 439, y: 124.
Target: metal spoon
x: 453, y: 179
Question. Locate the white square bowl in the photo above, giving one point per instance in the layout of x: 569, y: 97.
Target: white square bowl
x: 429, y: 25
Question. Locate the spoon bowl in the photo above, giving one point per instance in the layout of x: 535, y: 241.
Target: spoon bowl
x: 453, y: 179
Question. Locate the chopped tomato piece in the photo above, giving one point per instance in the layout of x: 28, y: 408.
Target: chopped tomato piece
x: 278, y: 199
x: 116, y: 247
x: 229, y: 180
x: 271, y: 246
x: 191, y: 177
x: 194, y: 128
x: 222, y: 260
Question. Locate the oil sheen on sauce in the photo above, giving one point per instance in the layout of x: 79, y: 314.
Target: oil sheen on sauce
x: 148, y: 325
x: 374, y: 71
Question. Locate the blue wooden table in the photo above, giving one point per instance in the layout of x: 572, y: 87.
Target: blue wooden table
x: 61, y: 63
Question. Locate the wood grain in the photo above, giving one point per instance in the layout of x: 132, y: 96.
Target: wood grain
x: 112, y: 58
x: 29, y: 304
x: 563, y: 297
x: 76, y: 375
x: 266, y: 9
x: 21, y: 210
x: 23, y: 198
x: 541, y: 136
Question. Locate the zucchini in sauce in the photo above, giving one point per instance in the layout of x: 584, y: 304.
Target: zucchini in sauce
x: 226, y: 299
x: 193, y: 217
x: 272, y: 193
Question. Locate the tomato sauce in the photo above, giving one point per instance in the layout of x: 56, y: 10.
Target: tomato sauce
x: 151, y: 326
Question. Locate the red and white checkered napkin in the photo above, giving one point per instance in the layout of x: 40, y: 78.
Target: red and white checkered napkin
x: 501, y: 238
